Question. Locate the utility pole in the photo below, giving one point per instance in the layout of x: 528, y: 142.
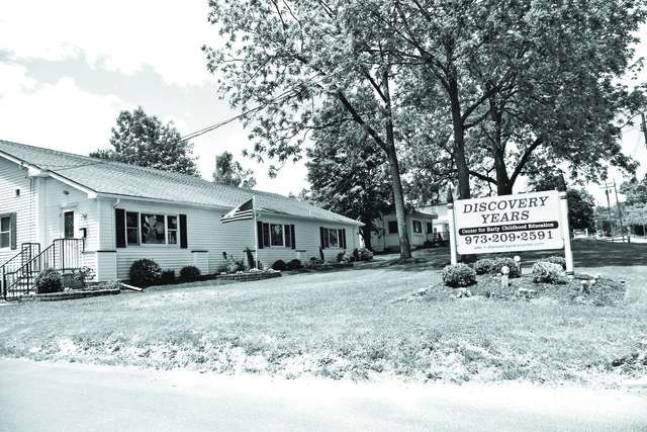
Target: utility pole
x: 622, y: 225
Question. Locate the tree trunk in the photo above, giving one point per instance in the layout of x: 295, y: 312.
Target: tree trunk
x: 394, y: 169
x: 400, y: 210
x: 503, y: 183
x: 366, y: 232
x: 459, y: 142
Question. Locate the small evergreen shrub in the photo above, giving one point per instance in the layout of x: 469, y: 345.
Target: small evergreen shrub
x: 145, y: 272
x: 342, y: 257
x: 365, y: 254
x: 84, y: 274
x: 499, y: 263
x: 48, y: 281
x: 294, y: 264
x: 167, y: 277
x: 189, y: 274
x: 249, y: 255
x: 548, y: 273
x: 483, y: 266
x: 279, y: 265
x: 458, y: 275
x: 561, y: 261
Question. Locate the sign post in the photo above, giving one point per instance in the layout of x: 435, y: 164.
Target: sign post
x: 452, y: 233
x: 566, y: 232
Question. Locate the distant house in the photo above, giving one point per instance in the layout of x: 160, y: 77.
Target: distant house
x: 420, y: 226
x: 441, y: 224
x: 65, y: 211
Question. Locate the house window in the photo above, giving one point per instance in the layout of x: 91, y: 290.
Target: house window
x: 417, y: 227
x: 153, y: 229
x: 333, y: 238
x: 276, y: 235
x: 393, y: 227
x: 171, y: 224
x: 429, y: 227
x: 5, y: 231
x: 132, y: 228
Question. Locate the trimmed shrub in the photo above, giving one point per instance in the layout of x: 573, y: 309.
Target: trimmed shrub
x: 365, y: 254
x: 48, y: 281
x: 499, y: 263
x: 167, y: 277
x: 548, y: 273
x: 561, y: 261
x: 249, y: 254
x: 483, y: 266
x: 189, y: 274
x: 279, y: 265
x: 342, y: 257
x: 294, y: 264
x: 145, y: 272
x: 458, y: 275
x: 84, y: 274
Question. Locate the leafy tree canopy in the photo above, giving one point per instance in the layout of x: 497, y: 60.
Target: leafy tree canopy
x: 140, y: 139
x: 230, y: 172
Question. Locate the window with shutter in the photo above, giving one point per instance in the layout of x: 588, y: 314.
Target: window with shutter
x: 294, y: 242
x: 184, y: 243
x: 120, y: 228
x: 259, y: 234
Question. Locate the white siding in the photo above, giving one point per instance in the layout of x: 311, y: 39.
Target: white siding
x: 308, y: 239
x: 14, y: 177
x: 384, y: 241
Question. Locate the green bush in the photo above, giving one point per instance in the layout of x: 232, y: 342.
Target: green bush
x: 48, y: 281
x: 279, y: 265
x: 548, y: 273
x: 167, y: 277
x: 561, y: 261
x: 458, y: 275
x: 483, y: 266
x: 189, y: 274
x: 365, y: 254
x: 499, y: 263
x: 84, y: 274
x: 145, y: 272
x: 294, y: 264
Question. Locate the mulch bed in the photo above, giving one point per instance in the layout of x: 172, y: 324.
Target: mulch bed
x: 605, y: 292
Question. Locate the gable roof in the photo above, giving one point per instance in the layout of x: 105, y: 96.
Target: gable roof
x: 131, y: 181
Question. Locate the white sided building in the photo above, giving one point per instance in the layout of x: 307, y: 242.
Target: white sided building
x: 420, y: 225
x: 66, y: 211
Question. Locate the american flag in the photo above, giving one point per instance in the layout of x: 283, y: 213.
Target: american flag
x: 245, y: 211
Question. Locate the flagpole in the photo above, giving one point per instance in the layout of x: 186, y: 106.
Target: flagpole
x: 255, y: 230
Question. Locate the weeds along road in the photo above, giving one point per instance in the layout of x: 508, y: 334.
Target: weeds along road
x: 70, y: 397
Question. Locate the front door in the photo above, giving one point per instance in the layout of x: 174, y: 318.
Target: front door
x: 68, y: 224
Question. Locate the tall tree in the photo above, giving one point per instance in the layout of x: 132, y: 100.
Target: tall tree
x: 289, y: 57
x: 140, y: 139
x: 635, y: 191
x: 230, y: 172
x: 347, y: 175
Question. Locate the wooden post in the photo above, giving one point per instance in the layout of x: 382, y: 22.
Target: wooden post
x: 4, y: 283
x: 452, y: 233
x: 566, y: 234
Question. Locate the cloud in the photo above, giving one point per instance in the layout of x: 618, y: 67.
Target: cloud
x: 118, y: 35
x: 59, y: 115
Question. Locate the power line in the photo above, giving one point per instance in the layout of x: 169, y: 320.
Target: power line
x: 295, y: 90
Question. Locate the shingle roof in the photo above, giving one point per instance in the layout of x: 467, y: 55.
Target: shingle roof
x: 115, y: 178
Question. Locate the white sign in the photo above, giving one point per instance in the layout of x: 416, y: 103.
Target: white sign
x: 523, y: 222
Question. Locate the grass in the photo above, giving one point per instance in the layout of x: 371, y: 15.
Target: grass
x: 357, y: 324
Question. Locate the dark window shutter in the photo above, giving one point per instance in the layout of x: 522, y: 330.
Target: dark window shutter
x: 294, y: 240
x: 14, y: 232
x: 342, y: 236
x: 287, y: 235
x: 266, y: 234
x: 184, y: 244
x: 120, y: 228
x: 259, y: 234
x: 321, y: 236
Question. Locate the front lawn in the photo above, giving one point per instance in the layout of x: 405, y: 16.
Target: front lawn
x: 359, y: 324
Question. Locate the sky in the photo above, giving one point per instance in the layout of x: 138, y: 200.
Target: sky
x: 68, y: 70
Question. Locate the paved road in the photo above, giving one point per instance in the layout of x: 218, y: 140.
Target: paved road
x: 68, y: 397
